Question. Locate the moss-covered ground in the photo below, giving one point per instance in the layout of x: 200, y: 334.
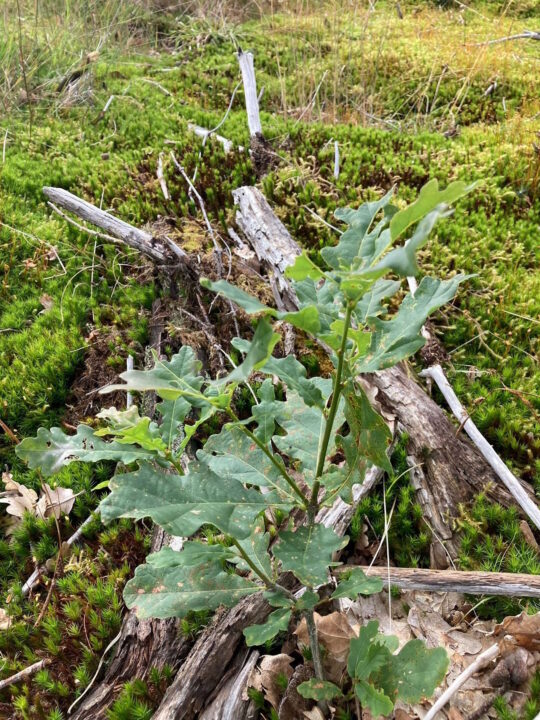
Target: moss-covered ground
x: 405, y: 98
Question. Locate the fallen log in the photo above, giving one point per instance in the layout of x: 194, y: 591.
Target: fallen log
x: 473, y: 583
x: 160, y: 250
x: 447, y: 470
x: 229, y: 703
x: 209, y: 659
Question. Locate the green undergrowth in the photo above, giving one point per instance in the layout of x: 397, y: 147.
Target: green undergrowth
x: 139, y: 699
x: 531, y: 707
x: 84, y: 612
x: 386, y: 98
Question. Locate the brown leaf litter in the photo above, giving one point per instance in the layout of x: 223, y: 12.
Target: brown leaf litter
x: 439, y: 619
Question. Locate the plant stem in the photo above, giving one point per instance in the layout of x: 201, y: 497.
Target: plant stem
x: 314, y: 644
x: 288, y: 479
x: 336, y: 394
x: 174, y: 462
x: 270, y: 584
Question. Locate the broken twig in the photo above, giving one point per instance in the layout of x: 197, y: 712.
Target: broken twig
x: 481, y: 661
x: 527, y: 504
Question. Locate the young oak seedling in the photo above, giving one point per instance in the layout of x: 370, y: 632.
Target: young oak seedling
x: 280, y: 458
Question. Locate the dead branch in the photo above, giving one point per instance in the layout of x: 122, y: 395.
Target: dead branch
x: 262, y: 155
x: 23, y: 674
x: 205, y: 134
x: 247, y: 68
x: 474, y: 583
x: 525, y: 35
x: 527, y: 504
x: 480, y: 662
x: 160, y: 250
x: 161, y: 178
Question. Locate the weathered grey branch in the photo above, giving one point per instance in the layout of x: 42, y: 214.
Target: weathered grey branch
x: 267, y: 235
x: 525, y: 35
x: 247, y: 68
x: 23, y: 674
x: 474, y: 583
x: 478, y: 663
x: 205, y: 134
x: 229, y: 703
x: 527, y: 504
x: 159, y: 250
x: 262, y: 155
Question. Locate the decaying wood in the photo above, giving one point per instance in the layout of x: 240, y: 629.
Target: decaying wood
x: 339, y: 515
x: 230, y: 702
x: 447, y: 470
x: 143, y: 645
x: 159, y: 250
x: 269, y: 238
x: 209, y: 658
x: 514, y: 487
x: 262, y: 155
x: 247, y: 68
x: 474, y: 583
x: 205, y: 134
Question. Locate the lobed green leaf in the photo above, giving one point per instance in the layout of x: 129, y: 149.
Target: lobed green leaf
x: 278, y: 621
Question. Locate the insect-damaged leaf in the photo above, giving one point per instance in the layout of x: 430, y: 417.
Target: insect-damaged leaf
x: 368, y: 431
x: 414, y: 672
x: 233, y: 455
x: 51, y: 449
x: 316, y: 689
x: 181, y: 504
x: 163, y: 591
x: 278, y: 621
x: 410, y: 675
x: 307, y: 552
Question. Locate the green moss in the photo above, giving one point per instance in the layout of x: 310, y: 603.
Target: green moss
x: 409, y: 537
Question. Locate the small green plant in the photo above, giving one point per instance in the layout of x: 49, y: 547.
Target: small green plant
x: 281, y: 457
